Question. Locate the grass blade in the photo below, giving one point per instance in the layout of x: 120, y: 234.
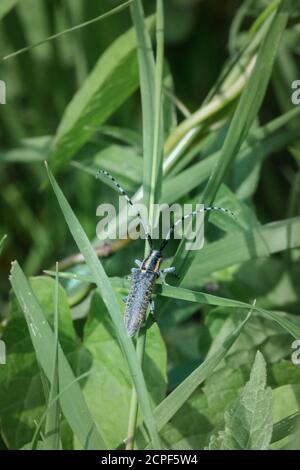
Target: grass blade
x: 249, y: 103
x: 2, y: 242
x: 69, y: 30
x: 285, y: 427
x: 52, y: 440
x: 147, y: 86
x: 176, y: 145
x: 150, y: 80
x: 109, y: 298
x: 73, y: 404
x: 168, y: 407
x: 157, y: 156
x: 209, y: 299
x: 239, y: 247
x: 173, y: 402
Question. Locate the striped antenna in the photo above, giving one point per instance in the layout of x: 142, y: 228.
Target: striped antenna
x: 129, y: 201
x: 205, y: 209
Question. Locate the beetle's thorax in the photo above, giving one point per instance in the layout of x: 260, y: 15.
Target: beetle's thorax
x: 152, y: 262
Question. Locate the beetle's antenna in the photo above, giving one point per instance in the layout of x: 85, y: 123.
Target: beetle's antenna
x: 205, y: 209
x: 129, y: 201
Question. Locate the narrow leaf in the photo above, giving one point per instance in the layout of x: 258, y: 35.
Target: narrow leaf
x: 52, y: 441
x: 2, y: 242
x: 73, y: 404
x: 202, y: 298
x: 173, y: 402
x: 109, y: 298
x: 147, y: 86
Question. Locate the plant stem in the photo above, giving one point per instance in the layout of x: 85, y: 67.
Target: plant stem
x: 133, y: 412
x: 151, y: 197
x: 103, y: 251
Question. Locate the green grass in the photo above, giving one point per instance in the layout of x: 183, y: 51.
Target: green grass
x: 142, y: 91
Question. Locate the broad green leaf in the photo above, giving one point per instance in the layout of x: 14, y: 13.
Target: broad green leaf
x: 112, y: 381
x: 106, y: 291
x: 249, y: 423
x: 73, y: 404
x: 113, y: 79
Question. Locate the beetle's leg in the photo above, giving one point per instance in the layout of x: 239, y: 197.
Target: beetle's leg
x: 164, y: 272
x: 172, y: 270
x: 138, y: 262
x: 134, y: 270
x: 151, y: 318
x: 162, y: 276
x: 125, y: 298
x: 152, y: 309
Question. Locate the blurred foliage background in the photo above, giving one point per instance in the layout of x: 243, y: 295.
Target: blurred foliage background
x: 41, y: 82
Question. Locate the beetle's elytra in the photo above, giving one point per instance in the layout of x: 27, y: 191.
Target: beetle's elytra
x: 140, y: 296
x: 143, y: 277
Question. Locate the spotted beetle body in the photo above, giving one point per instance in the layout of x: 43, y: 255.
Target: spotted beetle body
x: 144, y: 277
x: 140, y: 295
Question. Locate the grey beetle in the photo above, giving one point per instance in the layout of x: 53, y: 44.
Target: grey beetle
x: 144, y: 277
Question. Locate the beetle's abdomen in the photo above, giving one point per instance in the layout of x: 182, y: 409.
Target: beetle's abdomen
x: 138, y: 299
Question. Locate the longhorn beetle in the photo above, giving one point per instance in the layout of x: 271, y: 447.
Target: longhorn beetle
x: 148, y: 271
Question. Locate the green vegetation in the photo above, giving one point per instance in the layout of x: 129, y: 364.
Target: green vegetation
x: 183, y: 102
